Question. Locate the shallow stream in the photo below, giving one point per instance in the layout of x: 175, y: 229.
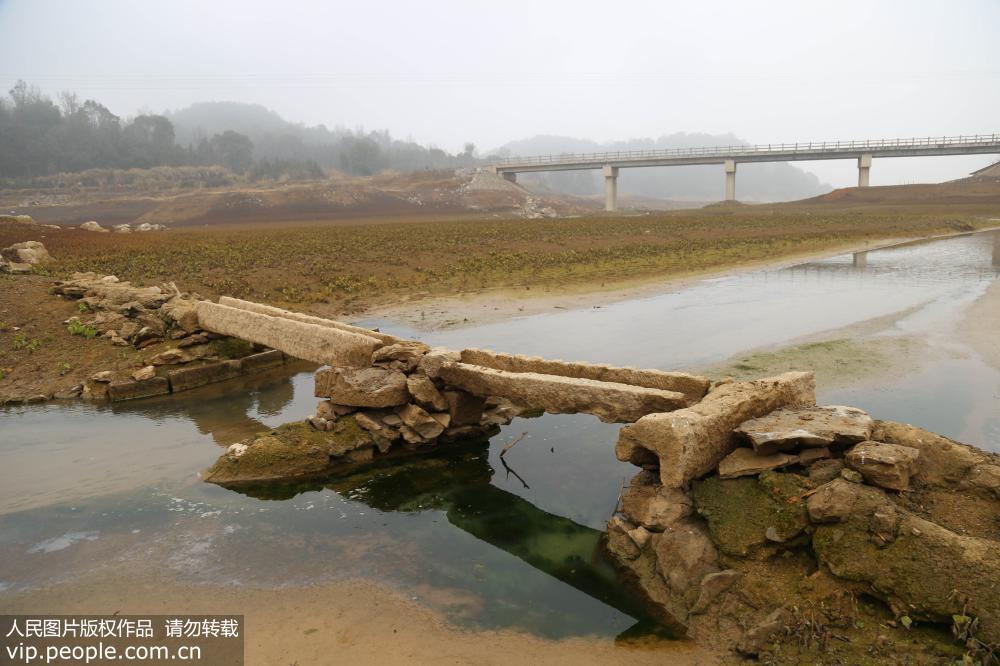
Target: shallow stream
x: 90, y: 489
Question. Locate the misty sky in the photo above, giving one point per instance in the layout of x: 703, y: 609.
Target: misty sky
x: 444, y: 73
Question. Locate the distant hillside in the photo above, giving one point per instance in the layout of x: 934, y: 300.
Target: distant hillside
x: 274, y: 138
x: 777, y: 181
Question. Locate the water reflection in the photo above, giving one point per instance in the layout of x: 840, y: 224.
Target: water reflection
x: 457, y: 481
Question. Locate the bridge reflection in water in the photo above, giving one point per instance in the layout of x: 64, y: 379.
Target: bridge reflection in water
x: 455, y: 479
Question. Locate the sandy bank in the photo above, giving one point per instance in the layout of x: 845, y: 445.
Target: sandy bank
x: 360, y: 623
x: 980, y: 328
x: 428, y: 313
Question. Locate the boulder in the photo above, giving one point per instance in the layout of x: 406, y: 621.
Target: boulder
x: 685, y: 554
x: 32, y: 253
x: 171, y: 357
x: 402, y: 355
x: 18, y: 219
x: 432, y: 362
x: 690, y: 443
x: 332, y: 411
x: 886, y: 465
x: 425, y: 392
x: 747, y: 462
x: 833, y: 501
x: 794, y: 428
x: 653, y: 506
x: 183, y: 312
x: 145, y: 373
x: 421, y: 422
x: 122, y: 228
x: 363, y: 387
x: 824, y: 471
x: 93, y: 226
x: 943, y: 462
x: 607, y: 401
x: 464, y: 408
x: 927, y: 569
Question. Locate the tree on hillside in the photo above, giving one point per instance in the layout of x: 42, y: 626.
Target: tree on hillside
x: 233, y: 150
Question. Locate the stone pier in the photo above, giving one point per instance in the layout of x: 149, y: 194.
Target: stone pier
x: 730, y: 180
x: 610, y: 188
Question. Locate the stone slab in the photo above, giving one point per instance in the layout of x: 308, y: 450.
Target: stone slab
x: 796, y: 428
x: 691, y: 442
x: 133, y: 390
x: 272, y: 311
x: 307, y: 341
x: 610, y: 402
x: 693, y: 387
x: 184, y: 379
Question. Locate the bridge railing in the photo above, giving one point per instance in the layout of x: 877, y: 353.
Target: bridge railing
x: 874, y: 145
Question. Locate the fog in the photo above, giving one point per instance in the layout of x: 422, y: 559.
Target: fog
x: 446, y: 73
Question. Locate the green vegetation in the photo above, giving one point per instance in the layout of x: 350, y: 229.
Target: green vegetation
x: 21, y: 342
x: 83, y: 330
x: 63, y: 368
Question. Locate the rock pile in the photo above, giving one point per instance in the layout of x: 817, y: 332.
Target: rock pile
x: 140, y: 317
x: 750, y: 498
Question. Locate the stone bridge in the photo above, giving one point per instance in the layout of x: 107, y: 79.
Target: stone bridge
x: 374, y: 370
x: 742, y: 485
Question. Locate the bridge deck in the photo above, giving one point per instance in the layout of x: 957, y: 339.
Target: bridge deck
x: 819, y: 150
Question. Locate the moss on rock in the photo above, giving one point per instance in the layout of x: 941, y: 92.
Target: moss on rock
x: 751, y: 517
x: 290, y: 451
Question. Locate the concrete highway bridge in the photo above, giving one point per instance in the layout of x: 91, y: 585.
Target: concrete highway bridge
x: 729, y: 156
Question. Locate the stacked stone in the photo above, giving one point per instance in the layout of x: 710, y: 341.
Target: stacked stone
x: 139, y: 317
x: 401, y: 398
x: 756, y: 470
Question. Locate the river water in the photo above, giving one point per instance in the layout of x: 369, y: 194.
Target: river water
x: 87, y: 490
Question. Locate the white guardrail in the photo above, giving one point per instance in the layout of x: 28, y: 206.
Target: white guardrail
x: 758, y: 149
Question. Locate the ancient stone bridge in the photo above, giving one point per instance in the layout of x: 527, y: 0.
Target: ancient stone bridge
x: 733, y: 474
x: 369, y: 369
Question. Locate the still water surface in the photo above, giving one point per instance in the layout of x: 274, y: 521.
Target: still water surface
x: 88, y: 489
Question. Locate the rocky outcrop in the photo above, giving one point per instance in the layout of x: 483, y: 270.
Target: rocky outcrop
x: 556, y: 394
x: 733, y: 559
x: 689, y: 443
x: 307, y: 341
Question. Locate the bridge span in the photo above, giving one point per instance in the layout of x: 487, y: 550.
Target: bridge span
x: 729, y: 156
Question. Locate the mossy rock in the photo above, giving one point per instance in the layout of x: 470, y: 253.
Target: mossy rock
x: 743, y: 513
x: 290, y: 451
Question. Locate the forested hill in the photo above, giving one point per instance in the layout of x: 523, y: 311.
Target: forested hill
x: 40, y: 136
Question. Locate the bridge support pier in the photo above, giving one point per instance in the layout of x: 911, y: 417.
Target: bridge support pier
x: 510, y: 176
x: 610, y: 188
x: 864, y: 169
x: 730, y: 180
